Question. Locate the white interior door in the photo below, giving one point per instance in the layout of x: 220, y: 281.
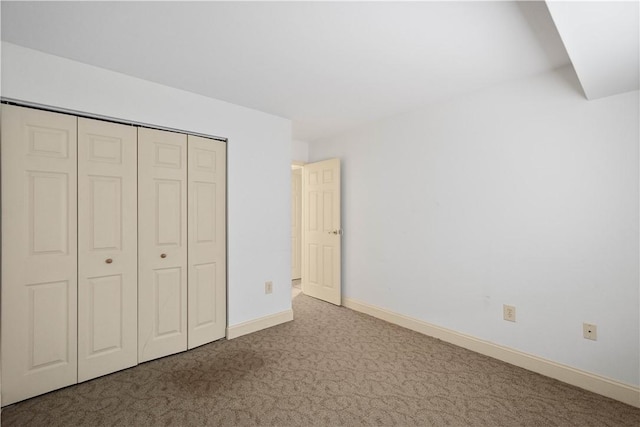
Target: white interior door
x: 162, y: 242
x: 207, y: 319
x: 296, y: 223
x: 107, y: 248
x: 322, y: 231
x: 39, y: 252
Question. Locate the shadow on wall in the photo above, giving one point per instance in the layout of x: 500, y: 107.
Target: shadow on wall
x: 537, y: 16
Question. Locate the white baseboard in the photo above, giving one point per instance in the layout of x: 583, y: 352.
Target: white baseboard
x: 601, y: 385
x: 256, y: 325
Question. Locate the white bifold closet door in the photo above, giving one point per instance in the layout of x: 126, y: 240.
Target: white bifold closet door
x: 39, y: 252
x: 207, y: 240
x: 107, y: 248
x: 113, y: 247
x: 162, y: 243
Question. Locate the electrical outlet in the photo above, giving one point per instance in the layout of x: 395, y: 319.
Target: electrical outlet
x: 509, y: 313
x: 590, y: 331
x: 268, y: 287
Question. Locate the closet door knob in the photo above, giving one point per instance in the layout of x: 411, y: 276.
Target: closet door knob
x: 108, y: 260
x: 163, y: 255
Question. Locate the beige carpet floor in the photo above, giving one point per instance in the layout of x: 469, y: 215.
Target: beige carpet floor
x: 329, y: 367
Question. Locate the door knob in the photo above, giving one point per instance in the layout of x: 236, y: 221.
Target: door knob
x: 108, y: 260
x: 336, y: 232
x: 163, y: 255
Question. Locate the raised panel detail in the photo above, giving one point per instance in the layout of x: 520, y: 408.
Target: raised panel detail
x: 313, y: 178
x: 314, y: 263
x: 48, y: 142
x: 106, y: 212
x: 105, y: 314
x: 313, y: 211
x: 39, y: 252
x: 168, y: 156
x: 168, y: 212
x: 327, y: 266
x: 327, y: 176
x: 205, y: 160
x: 48, y: 325
x: 104, y: 149
x: 168, y: 302
x: 205, y: 199
x: 327, y: 211
x: 206, y: 242
x: 48, y: 213
x: 205, y: 282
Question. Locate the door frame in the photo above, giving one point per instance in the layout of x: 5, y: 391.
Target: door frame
x: 298, y: 167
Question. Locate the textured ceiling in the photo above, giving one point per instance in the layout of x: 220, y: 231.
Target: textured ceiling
x: 328, y: 66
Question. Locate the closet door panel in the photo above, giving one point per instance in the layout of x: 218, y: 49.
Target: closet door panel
x: 107, y: 239
x: 39, y: 252
x: 207, y: 240
x: 162, y: 190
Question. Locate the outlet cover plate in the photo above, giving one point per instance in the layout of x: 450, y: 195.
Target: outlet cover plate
x: 509, y: 312
x: 590, y: 331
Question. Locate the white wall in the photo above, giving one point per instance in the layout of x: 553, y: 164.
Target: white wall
x: 299, y: 151
x: 259, y: 158
x: 523, y: 194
